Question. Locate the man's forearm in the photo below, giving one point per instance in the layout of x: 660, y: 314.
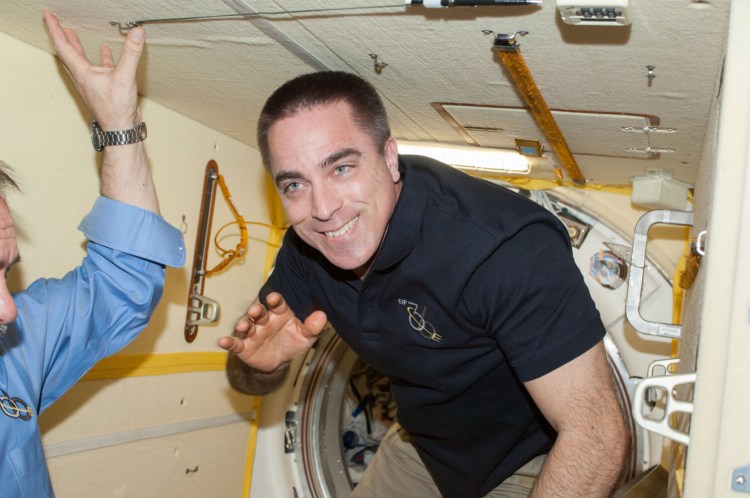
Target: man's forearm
x: 126, y: 176
x: 589, y: 466
x: 248, y: 380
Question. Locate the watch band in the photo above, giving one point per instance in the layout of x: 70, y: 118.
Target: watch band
x: 101, y: 138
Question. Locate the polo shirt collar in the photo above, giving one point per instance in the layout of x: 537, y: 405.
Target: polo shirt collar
x: 405, y: 222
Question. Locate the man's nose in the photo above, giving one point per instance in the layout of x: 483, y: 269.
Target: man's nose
x: 325, y: 202
x: 8, y: 310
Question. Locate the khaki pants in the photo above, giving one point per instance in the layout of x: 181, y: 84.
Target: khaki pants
x: 396, y: 471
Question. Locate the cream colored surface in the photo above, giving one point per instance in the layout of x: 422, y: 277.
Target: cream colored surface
x: 186, y: 465
x: 720, y: 431
x: 219, y: 72
x: 45, y: 139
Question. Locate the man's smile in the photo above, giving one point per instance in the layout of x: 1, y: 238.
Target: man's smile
x: 341, y: 231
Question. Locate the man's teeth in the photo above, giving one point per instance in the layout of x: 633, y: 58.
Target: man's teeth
x: 342, y: 230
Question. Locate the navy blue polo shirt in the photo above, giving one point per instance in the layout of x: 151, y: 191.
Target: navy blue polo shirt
x: 474, y: 291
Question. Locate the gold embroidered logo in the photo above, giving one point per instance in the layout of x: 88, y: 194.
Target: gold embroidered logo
x: 14, y: 407
x: 418, y: 322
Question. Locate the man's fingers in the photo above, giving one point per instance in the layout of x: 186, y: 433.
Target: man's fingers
x: 314, y: 324
x: 258, y: 313
x: 131, y: 51
x: 105, y: 57
x: 74, y: 41
x: 232, y: 344
x: 276, y: 304
x: 65, y: 42
x: 244, y: 324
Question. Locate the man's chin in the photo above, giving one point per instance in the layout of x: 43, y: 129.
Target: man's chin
x: 354, y: 265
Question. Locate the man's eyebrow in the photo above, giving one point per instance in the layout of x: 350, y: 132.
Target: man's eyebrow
x: 338, y: 155
x: 287, y: 175
x: 327, y: 161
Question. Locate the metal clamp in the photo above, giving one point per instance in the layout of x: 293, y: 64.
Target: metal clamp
x: 666, y: 364
x: 637, y: 266
x: 507, y: 42
x: 673, y: 405
x: 698, y: 244
x: 202, y: 310
x: 290, y: 431
x: 741, y: 479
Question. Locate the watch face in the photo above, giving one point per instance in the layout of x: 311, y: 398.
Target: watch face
x: 96, y: 136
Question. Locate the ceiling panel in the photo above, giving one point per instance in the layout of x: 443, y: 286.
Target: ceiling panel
x: 220, y: 71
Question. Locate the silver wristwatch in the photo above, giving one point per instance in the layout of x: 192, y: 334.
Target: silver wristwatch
x: 101, y: 138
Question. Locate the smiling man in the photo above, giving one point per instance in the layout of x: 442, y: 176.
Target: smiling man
x: 337, y: 188
x: 463, y: 293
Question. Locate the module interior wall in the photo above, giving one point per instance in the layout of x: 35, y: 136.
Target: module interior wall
x: 45, y: 140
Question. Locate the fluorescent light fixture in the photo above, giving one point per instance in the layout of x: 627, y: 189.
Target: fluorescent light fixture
x: 480, y: 159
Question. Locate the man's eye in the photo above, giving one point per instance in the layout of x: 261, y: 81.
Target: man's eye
x: 292, y: 187
x: 341, y: 169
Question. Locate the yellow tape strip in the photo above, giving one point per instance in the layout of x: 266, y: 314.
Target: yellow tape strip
x: 677, y: 450
x: 145, y: 365
x: 519, y: 71
x: 278, y: 219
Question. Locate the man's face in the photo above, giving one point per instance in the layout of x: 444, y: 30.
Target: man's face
x: 8, y: 257
x: 337, y: 189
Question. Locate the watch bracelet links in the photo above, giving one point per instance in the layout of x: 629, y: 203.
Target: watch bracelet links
x: 120, y: 137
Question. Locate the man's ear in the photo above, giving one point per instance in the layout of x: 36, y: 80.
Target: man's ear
x: 391, y: 158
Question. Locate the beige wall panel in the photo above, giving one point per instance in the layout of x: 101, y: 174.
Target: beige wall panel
x: 199, y: 464
x: 719, y: 430
x: 95, y: 408
x: 45, y: 139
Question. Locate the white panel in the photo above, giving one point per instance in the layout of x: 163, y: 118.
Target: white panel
x: 719, y: 430
x: 585, y: 132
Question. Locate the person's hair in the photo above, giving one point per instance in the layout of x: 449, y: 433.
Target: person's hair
x: 322, y: 88
x: 6, y: 179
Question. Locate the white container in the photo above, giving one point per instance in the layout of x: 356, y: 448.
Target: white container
x: 656, y: 191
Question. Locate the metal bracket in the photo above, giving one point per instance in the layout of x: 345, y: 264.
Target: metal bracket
x: 667, y: 383
x: 741, y: 479
x: 507, y: 42
x: 698, y: 244
x: 637, y: 266
x: 651, y: 151
x: 290, y: 432
x: 648, y: 129
x: 666, y: 364
x: 200, y: 309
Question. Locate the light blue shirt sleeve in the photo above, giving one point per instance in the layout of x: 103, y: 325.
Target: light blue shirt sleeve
x: 134, y: 231
x: 99, y: 307
x: 65, y: 326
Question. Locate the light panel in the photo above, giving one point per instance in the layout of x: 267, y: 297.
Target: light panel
x: 471, y: 158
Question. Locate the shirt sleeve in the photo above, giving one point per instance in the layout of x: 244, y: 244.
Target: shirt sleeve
x: 66, y: 325
x: 534, y: 302
x: 134, y: 231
